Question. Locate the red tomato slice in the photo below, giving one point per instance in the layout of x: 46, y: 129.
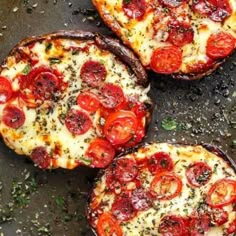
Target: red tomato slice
x: 172, y: 225
x: 107, y: 225
x: 134, y: 9
x: 221, y: 193
x: 5, y: 90
x: 41, y: 157
x: 120, y: 127
x: 198, y: 174
x: 100, y: 152
x: 160, y: 161
x: 198, y: 224
x: 88, y: 101
x: 219, y: 217
x: 166, y: 186
x: 140, y: 199
x: 220, y: 45
x: 93, y: 73
x: 13, y: 117
x: 232, y: 228
x: 125, y: 170
x: 111, y: 96
x: 122, y: 208
x: 77, y: 122
x: 166, y: 60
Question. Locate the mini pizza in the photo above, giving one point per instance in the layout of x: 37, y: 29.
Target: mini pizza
x: 165, y: 189
x: 72, y: 98
x: 185, y: 38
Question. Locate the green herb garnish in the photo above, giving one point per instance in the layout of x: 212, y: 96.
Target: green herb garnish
x: 169, y: 124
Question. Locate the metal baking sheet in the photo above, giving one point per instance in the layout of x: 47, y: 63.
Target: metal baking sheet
x: 37, y: 202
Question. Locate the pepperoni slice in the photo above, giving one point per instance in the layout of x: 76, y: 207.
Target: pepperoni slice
x: 134, y: 9
x: 125, y: 170
x: 199, y: 224
x: 13, y: 117
x: 93, y: 73
x: 166, y: 60
x: 122, y: 208
x: 108, y: 225
x: 160, y: 161
x: 88, y: 101
x: 5, y: 90
x: 100, y: 152
x: 172, y: 3
x: 77, y: 122
x: 111, y: 95
x: 140, y: 199
x: 180, y: 33
x: 198, y: 174
x: 220, y: 45
x: 41, y: 157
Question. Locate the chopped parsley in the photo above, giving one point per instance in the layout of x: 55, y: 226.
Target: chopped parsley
x: 169, y: 124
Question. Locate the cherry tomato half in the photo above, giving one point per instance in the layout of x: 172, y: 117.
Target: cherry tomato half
x: 5, y: 90
x: 88, y: 101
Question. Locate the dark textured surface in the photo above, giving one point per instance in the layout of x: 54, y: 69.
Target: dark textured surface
x: 202, y: 112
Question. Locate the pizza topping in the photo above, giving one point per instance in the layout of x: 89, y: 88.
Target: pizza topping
x: 93, y: 73
x: 166, y: 186
x: 5, y: 90
x: 120, y: 127
x: 220, y: 45
x: 100, y: 152
x: 111, y: 182
x: 219, y: 217
x: 180, y: 33
x: 77, y: 122
x: 111, y: 95
x: 198, y: 224
x: 88, y: 101
x: 160, y: 161
x: 198, y: 174
x: 134, y: 9
x: 13, y: 117
x: 166, y: 59
x: 140, y: 199
x: 107, y: 225
x: 172, y: 225
x: 172, y: 3
x: 232, y: 228
x: 122, y: 208
x: 125, y: 170
x: 222, y: 193
x: 41, y: 157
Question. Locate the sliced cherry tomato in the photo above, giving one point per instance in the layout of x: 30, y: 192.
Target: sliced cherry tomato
x: 232, y: 228
x: 100, y: 152
x: 5, y: 90
x: 198, y: 174
x: 221, y: 193
x: 166, y: 186
x: 140, y: 199
x: 13, y: 117
x: 160, y: 161
x: 220, y: 45
x: 120, y: 127
x: 107, y: 225
x: 172, y: 3
x: 41, y: 157
x: 140, y: 109
x: 122, y: 208
x: 166, y: 59
x: 111, y: 95
x: 88, y: 101
x: 180, y: 33
x: 199, y: 224
x: 77, y: 122
x: 134, y: 9
x: 219, y: 217
x: 172, y: 225
x: 125, y: 170
x: 93, y: 73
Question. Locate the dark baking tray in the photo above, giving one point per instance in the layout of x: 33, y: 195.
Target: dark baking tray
x: 37, y: 202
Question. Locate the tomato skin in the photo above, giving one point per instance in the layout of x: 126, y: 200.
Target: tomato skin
x: 220, y: 45
x: 100, y: 152
x: 164, y: 181
x: 134, y: 9
x: 107, y: 225
x: 13, y: 117
x: 223, y: 192
x: 5, y: 90
x: 232, y: 227
x: 41, y: 157
x: 198, y: 174
x: 166, y: 60
x: 120, y: 127
x: 88, y: 101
